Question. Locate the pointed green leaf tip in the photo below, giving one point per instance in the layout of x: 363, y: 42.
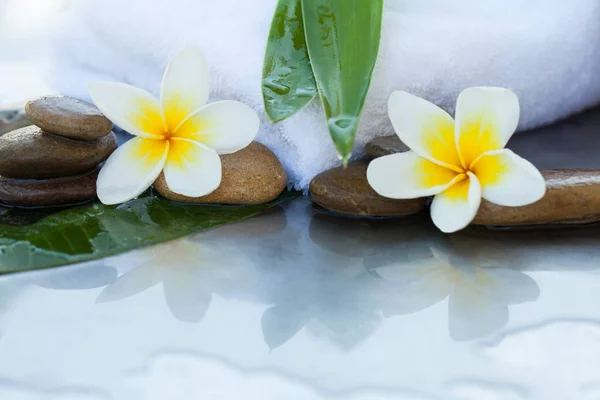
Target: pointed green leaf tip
x: 342, y: 37
x: 288, y: 83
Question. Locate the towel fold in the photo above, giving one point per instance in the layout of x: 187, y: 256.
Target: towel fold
x: 547, y: 51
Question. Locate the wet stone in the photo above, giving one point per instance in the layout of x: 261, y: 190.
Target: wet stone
x: 573, y: 197
x: 30, y: 153
x: 68, y: 117
x: 49, y: 192
x: 384, y: 145
x: 347, y: 191
x: 252, y: 175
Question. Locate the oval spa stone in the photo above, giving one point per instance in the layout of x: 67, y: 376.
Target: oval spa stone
x: 69, y: 117
x: 572, y: 197
x: 385, y: 145
x: 49, y: 192
x: 252, y: 175
x: 347, y: 191
x: 30, y: 153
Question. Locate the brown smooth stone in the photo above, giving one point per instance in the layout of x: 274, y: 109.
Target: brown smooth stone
x: 573, y: 197
x: 252, y: 175
x: 347, y: 191
x: 49, y: 192
x: 68, y: 117
x: 385, y: 145
x: 30, y: 153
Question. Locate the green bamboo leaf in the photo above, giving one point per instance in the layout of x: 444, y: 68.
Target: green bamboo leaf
x: 343, y: 43
x: 31, y: 239
x: 288, y: 83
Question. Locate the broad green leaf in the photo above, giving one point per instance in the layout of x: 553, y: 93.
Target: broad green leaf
x: 94, y: 231
x: 343, y: 43
x: 288, y: 83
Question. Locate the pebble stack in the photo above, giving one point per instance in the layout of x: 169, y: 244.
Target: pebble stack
x: 55, y: 161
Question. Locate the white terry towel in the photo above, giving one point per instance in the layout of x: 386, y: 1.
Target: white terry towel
x: 547, y: 51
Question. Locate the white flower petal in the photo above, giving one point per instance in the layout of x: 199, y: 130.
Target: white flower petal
x: 455, y: 208
x: 424, y: 127
x: 192, y: 169
x: 486, y: 118
x: 128, y: 107
x: 131, y: 169
x: 225, y: 126
x: 508, y: 180
x: 408, y: 176
x: 185, y: 86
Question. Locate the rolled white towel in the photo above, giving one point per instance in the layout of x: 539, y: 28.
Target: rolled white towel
x: 547, y: 51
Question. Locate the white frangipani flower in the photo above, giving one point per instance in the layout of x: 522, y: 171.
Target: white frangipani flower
x: 179, y: 135
x: 457, y: 162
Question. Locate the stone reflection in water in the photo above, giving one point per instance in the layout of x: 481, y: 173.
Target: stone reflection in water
x: 338, y: 279
x: 192, y: 269
x: 419, y: 267
x: 481, y: 272
x: 348, y: 274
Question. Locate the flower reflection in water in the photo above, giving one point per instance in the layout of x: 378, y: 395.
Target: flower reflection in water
x: 338, y: 279
x: 419, y: 267
x: 478, y: 292
x: 190, y: 271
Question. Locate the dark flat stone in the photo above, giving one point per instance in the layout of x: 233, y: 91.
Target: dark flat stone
x: 30, y: 153
x: 49, y: 192
x: 346, y: 191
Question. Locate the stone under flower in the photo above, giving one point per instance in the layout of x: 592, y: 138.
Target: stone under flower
x: 457, y: 162
x: 179, y: 134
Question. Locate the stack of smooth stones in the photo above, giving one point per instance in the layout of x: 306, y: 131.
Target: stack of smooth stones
x: 55, y: 161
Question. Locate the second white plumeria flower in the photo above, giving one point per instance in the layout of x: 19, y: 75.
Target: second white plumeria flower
x: 457, y: 162
x: 179, y: 135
